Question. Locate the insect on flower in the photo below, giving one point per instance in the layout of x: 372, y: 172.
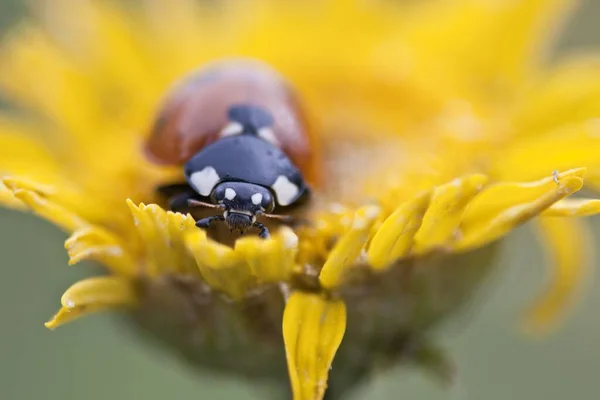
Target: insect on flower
x: 242, y: 136
x: 425, y: 125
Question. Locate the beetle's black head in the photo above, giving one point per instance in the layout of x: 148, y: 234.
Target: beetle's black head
x: 242, y: 203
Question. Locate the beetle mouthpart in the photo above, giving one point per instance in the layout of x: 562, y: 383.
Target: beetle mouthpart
x: 240, y: 222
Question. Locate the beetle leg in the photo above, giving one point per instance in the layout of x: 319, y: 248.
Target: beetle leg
x: 206, y: 222
x: 181, y: 201
x: 177, y: 195
x: 264, y: 231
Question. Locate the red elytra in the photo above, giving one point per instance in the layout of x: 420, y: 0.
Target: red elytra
x: 194, y: 113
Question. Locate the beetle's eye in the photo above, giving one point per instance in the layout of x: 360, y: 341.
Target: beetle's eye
x: 219, y: 194
x: 267, y: 202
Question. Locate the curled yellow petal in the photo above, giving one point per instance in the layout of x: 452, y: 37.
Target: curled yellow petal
x: 54, y: 213
x: 253, y: 261
x: 8, y: 199
x: 271, y: 260
x: 573, y: 208
x: 499, y: 197
x: 313, y: 328
x: 446, y: 208
x: 93, y: 295
x: 95, y: 243
x: 487, y: 230
x: 163, y: 236
x: 349, y: 247
x: 221, y: 267
x: 394, y: 239
x: 569, y: 254
x: 15, y: 183
x: 87, y: 207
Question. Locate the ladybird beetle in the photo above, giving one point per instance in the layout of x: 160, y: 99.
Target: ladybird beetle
x: 239, y: 132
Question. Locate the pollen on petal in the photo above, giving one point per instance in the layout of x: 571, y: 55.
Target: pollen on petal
x: 92, y: 295
x: 313, y: 328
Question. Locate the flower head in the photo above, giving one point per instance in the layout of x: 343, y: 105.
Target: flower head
x: 440, y: 132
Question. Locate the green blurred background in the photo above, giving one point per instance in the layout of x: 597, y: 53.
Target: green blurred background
x: 97, y: 358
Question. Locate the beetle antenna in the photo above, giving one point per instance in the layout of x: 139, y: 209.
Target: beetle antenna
x: 287, y: 219
x: 283, y: 218
x: 196, y: 203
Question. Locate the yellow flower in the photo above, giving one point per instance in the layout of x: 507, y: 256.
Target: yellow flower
x: 443, y: 128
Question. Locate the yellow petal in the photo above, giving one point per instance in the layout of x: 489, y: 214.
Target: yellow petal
x: 499, y: 197
x: 93, y: 295
x: 95, y: 243
x: 313, y: 328
x: 348, y: 248
x: 479, y: 50
x: 271, y: 260
x: 567, y: 147
x: 253, y: 261
x: 162, y: 234
x: 568, y: 94
x: 569, y: 254
x: 446, y: 208
x: 487, y: 230
x: 58, y: 89
x: 573, y: 208
x: 54, y: 213
x: 395, y: 237
x: 8, y: 199
x: 85, y: 205
x: 20, y: 154
x: 19, y: 182
x: 221, y: 267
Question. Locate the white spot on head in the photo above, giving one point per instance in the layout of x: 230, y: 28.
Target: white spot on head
x: 285, y: 190
x: 256, y: 198
x: 267, y: 134
x: 233, y: 128
x: 204, y: 181
x: 230, y: 194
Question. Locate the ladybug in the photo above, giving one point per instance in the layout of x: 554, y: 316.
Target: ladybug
x: 242, y: 138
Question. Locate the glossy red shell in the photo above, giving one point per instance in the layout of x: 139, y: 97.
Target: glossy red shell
x: 195, y: 111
